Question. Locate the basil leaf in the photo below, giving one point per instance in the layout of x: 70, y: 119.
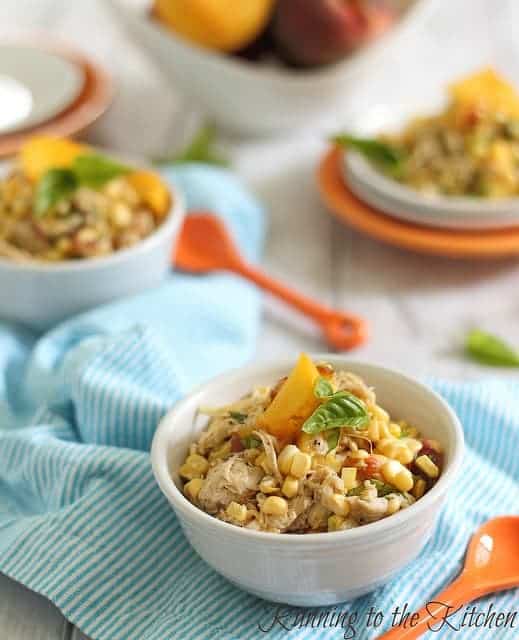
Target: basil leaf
x: 200, y: 150
x: 322, y: 388
x: 333, y: 438
x: 95, y: 170
x: 53, y: 186
x: 489, y: 349
x: 238, y: 417
x: 384, y: 489
x: 250, y: 442
x: 343, y: 409
x: 380, y: 153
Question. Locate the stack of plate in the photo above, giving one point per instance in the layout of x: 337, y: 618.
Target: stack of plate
x: 364, y: 198
x: 48, y: 90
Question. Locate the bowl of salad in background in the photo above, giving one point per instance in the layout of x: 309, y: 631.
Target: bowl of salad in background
x: 242, y: 517
x: 80, y: 227
x: 458, y: 167
x: 268, y: 65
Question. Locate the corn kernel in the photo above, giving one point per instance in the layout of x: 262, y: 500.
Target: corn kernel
x: 339, y: 505
x: 427, y: 466
x: 335, y: 523
x: 335, y: 461
x: 397, y: 475
x: 395, y: 429
x: 221, y: 452
x: 384, y: 430
x: 237, y: 511
x: 374, y: 431
x: 301, y: 464
x: 274, y: 506
x: 193, y: 487
x: 413, y: 444
x: 195, y: 466
x: 360, y: 454
x: 419, y: 488
x: 290, y: 487
x: 285, y: 458
x: 262, y: 461
x: 268, y: 485
x: 349, y: 478
x: 395, y: 449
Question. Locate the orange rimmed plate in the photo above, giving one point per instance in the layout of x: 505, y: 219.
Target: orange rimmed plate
x: 93, y: 101
x: 477, y: 244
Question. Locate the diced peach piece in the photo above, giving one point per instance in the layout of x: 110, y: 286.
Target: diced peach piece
x: 485, y: 91
x: 294, y: 403
x: 42, y: 153
x: 152, y: 191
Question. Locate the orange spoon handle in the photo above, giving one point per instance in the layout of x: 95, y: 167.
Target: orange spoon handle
x: 342, y: 330
x: 435, y: 615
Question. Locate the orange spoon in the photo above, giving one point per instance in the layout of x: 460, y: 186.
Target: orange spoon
x: 491, y: 564
x: 205, y: 245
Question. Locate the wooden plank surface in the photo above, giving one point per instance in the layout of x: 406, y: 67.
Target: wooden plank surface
x: 418, y: 306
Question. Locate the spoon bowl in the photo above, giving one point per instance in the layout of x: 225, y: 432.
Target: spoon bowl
x: 491, y: 564
x: 492, y: 559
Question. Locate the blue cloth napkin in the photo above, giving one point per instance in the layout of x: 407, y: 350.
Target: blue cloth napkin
x: 81, y: 519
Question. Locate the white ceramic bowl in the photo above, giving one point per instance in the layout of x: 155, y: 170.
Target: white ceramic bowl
x: 405, y: 203
x: 251, y: 98
x: 312, y: 569
x: 40, y: 295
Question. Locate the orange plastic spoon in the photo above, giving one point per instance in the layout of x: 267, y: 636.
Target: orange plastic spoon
x: 205, y: 245
x: 491, y: 564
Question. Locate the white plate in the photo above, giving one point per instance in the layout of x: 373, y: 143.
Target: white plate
x: 35, y: 86
x: 402, y: 202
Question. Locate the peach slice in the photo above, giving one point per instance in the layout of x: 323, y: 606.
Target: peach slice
x: 294, y: 403
x: 42, y: 153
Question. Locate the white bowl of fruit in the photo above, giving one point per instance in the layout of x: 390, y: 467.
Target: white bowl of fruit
x: 267, y: 65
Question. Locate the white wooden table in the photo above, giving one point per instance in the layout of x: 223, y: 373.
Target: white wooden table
x: 418, y: 307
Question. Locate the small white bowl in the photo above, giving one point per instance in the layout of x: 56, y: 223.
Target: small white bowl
x: 389, y: 196
x: 40, y: 295
x: 320, y: 568
x: 250, y: 98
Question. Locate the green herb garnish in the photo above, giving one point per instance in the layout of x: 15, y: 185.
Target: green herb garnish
x: 384, y: 155
x: 89, y: 170
x: 383, y: 489
x: 343, y: 409
x: 200, y: 149
x: 332, y: 438
x: 95, y: 170
x: 322, y: 388
x: 250, y: 442
x: 238, y: 417
x: 490, y: 350
x: 54, y: 186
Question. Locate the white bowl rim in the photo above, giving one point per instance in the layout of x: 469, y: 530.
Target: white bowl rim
x: 440, y: 204
x: 362, y: 533
x: 421, y: 9
x: 171, y: 223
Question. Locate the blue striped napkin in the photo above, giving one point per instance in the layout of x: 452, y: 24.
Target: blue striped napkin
x: 81, y: 519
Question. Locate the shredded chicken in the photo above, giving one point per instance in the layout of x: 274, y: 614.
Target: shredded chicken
x: 232, y: 479
x: 365, y: 511
x: 270, y: 447
x: 219, y: 429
